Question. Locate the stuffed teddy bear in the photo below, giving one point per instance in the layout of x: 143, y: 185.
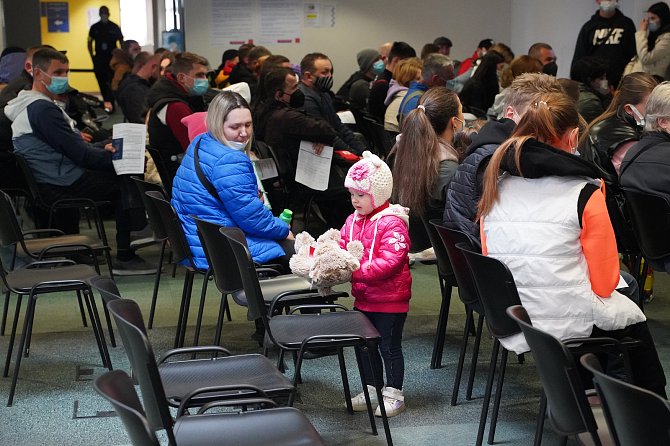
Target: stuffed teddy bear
x: 323, y: 261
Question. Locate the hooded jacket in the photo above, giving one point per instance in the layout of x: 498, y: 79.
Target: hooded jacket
x: 655, y: 61
x: 646, y: 166
x: 232, y: 175
x: 48, y: 140
x: 383, y: 283
x: 465, y: 188
x: 611, y: 39
x: 551, y: 228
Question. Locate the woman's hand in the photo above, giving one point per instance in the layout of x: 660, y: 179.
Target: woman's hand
x: 318, y: 147
x: 644, y: 24
x: 290, y: 236
x: 110, y: 148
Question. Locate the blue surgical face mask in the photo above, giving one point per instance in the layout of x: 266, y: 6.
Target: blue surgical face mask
x: 58, y: 84
x: 200, y: 86
x: 654, y: 26
x: 378, y: 67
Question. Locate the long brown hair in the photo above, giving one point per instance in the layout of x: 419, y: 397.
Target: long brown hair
x: 417, y: 153
x: 547, y: 119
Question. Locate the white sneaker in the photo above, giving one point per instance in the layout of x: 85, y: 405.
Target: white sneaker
x: 358, y: 402
x: 394, y: 402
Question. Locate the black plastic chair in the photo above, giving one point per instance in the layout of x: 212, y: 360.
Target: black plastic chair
x: 89, y: 207
x: 32, y: 281
x: 164, y: 172
x: 635, y: 416
x: 497, y: 291
x: 467, y: 292
x: 308, y: 332
x: 160, y: 234
x: 220, y: 258
x: 182, y: 254
x: 571, y: 412
x: 191, y: 383
x: 447, y: 282
x: 285, y: 426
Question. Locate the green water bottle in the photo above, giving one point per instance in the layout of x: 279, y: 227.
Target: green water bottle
x: 286, y: 216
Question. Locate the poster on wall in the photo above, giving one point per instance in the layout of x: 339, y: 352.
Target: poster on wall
x: 262, y: 22
x: 319, y: 15
x: 58, y: 20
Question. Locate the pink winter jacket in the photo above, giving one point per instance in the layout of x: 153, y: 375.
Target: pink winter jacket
x: 383, y: 284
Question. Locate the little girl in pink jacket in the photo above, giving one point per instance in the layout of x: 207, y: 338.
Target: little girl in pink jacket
x: 382, y: 287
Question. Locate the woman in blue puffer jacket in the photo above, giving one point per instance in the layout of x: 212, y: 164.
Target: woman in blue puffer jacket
x: 234, y: 198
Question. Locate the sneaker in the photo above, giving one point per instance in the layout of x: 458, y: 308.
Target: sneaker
x: 358, y: 402
x: 394, y: 402
x: 136, y: 266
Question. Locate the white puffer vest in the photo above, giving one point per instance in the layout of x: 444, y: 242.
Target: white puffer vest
x: 534, y: 229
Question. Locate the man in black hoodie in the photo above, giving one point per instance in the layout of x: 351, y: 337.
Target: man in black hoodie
x: 609, y: 35
x: 465, y: 189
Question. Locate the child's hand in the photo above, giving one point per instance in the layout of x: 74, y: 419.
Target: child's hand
x: 290, y: 236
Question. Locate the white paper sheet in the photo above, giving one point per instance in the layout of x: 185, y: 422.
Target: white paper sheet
x: 346, y: 117
x: 130, y: 160
x: 313, y: 170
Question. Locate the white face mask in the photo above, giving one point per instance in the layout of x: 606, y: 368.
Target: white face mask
x: 237, y: 145
x: 608, y: 6
x: 603, y: 87
x: 639, y: 116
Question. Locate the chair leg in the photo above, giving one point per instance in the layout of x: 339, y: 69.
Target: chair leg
x: 227, y: 308
x: 441, y: 331
x: 157, y: 282
x: 183, y: 309
x: 12, y: 335
x: 219, y: 320
x: 5, y: 310
x: 359, y: 362
x: 27, y: 318
x: 98, y: 331
x: 108, y: 321
x: 461, y: 357
x: 345, y: 380
x: 81, y: 309
x: 201, y: 307
x: 475, y: 355
x: 296, y: 378
x: 487, y: 393
x: 380, y: 397
x: 541, y: 415
x: 496, y: 401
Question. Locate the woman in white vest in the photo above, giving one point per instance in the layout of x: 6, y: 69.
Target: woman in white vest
x: 545, y: 218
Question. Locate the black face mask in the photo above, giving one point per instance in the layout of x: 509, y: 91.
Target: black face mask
x: 551, y: 69
x: 297, y: 99
x: 324, y: 83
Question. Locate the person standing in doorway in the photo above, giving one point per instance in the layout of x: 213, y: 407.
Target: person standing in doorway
x: 103, y: 37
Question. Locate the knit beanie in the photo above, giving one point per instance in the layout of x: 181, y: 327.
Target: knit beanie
x: 372, y: 176
x: 366, y: 58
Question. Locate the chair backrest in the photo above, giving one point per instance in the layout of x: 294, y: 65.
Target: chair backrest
x: 117, y: 388
x: 247, y: 272
x: 567, y: 406
x: 10, y: 230
x: 163, y: 171
x: 650, y: 216
x: 173, y: 227
x: 152, y: 212
x: 496, y: 289
x: 467, y: 290
x: 443, y: 263
x: 28, y: 177
x: 106, y: 287
x: 220, y: 256
x: 131, y: 327
x: 634, y: 415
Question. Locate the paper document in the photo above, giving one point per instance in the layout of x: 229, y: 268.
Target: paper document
x: 265, y: 168
x: 622, y: 283
x: 313, y: 170
x: 347, y: 117
x: 129, y: 141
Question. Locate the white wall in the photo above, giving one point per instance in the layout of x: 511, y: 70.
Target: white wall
x: 368, y: 23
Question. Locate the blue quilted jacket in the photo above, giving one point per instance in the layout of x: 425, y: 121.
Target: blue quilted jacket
x: 231, y: 173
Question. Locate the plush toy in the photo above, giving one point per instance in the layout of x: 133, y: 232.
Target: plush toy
x: 323, y: 261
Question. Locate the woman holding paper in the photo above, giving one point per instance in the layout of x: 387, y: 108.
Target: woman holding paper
x: 216, y: 182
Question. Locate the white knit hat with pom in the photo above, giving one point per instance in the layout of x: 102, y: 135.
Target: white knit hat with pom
x: 372, y: 176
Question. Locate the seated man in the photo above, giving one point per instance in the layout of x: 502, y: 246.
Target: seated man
x: 133, y: 89
x: 315, y: 84
x: 175, y: 96
x: 282, y: 126
x: 63, y: 163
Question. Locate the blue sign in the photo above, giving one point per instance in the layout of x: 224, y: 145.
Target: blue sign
x: 58, y: 20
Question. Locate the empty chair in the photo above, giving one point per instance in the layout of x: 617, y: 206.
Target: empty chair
x: 284, y: 426
x: 570, y: 412
x: 467, y: 292
x: 191, y: 383
x: 635, y: 416
x: 308, y: 332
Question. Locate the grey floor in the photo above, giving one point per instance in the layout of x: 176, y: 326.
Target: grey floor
x: 55, y: 402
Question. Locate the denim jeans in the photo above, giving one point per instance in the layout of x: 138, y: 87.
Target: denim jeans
x: 390, y: 326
